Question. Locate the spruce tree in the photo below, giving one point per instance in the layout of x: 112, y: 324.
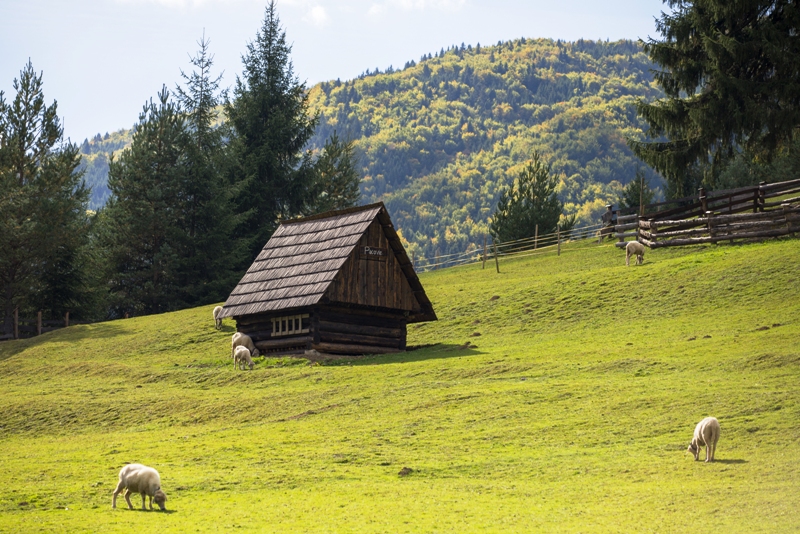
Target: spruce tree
x: 337, y: 176
x: 211, y: 258
x: 271, y: 125
x: 43, y: 219
x: 637, y: 192
x: 530, y: 201
x: 731, y: 80
x: 142, y: 222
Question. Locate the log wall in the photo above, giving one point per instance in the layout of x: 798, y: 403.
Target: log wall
x: 335, y: 329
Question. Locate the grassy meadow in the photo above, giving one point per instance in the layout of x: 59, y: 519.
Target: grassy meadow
x: 569, y: 411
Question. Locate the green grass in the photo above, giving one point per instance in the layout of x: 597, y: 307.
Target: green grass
x: 572, y: 414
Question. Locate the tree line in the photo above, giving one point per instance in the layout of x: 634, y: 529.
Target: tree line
x: 193, y: 199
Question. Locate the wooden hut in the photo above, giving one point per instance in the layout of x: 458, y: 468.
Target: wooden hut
x: 339, y: 282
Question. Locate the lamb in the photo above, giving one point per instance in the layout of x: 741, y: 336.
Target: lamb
x: 217, y: 318
x: 138, y: 478
x: 243, y: 340
x: 634, y: 247
x: 241, y: 356
x: 706, y: 433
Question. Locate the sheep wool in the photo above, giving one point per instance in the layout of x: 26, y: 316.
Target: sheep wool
x: 138, y: 478
x: 634, y: 248
x: 241, y: 357
x: 217, y: 319
x: 706, y: 433
x: 243, y: 340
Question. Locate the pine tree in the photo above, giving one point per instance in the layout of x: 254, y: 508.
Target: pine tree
x: 731, y: 80
x: 43, y: 220
x: 337, y: 176
x: 637, y: 192
x: 530, y: 201
x: 211, y: 258
x: 271, y: 124
x: 141, y: 225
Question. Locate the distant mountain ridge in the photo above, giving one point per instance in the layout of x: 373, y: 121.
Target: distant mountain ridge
x: 440, y: 138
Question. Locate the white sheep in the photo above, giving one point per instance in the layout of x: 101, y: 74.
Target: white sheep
x: 138, y: 478
x: 243, y: 340
x: 241, y: 356
x: 634, y: 247
x: 217, y: 318
x: 706, y: 433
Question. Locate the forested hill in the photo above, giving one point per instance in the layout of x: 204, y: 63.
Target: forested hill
x: 439, y: 138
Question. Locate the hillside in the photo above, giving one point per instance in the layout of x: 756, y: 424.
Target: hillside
x: 442, y: 137
x: 439, y: 138
x: 570, y: 412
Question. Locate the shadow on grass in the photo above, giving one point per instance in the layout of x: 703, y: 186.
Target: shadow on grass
x: 75, y: 333
x: 732, y: 461
x: 416, y: 353
x: 154, y: 511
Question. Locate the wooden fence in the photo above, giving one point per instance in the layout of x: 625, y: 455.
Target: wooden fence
x: 709, y: 217
x: 34, y: 327
x: 713, y: 228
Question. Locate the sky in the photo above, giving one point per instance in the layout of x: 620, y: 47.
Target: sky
x: 103, y: 59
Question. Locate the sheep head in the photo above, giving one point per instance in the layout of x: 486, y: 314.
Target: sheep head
x: 160, y: 498
x: 694, y: 449
x: 255, y: 353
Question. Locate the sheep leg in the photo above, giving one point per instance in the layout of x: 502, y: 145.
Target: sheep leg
x: 128, y: 499
x: 627, y: 258
x: 116, y: 492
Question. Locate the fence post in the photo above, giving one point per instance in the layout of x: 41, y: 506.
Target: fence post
x: 558, y: 239
x: 484, y: 252
x: 785, y: 206
x: 536, y: 237
x: 39, y: 323
x: 496, y: 261
x: 703, y: 199
x: 66, y: 320
x: 710, y: 223
x: 16, y: 323
x: 759, y: 200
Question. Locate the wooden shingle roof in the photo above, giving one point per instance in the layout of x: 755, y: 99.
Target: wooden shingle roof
x: 298, y: 264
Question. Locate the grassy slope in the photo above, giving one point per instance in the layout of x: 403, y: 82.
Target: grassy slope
x: 572, y: 414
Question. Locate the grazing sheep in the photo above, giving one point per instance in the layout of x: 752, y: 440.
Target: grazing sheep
x: 138, y: 478
x: 217, y: 318
x: 634, y: 247
x: 243, y: 340
x: 706, y: 433
x: 241, y: 356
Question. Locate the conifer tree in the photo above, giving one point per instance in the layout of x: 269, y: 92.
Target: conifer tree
x: 731, y: 80
x: 43, y: 219
x: 271, y: 125
x: 141, y: 224
x: 530, y: 201
x: 637, y: 192
x: 211, y: 258
x: 337, y: 176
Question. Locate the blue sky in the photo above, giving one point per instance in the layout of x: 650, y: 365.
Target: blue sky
x: 102, y: 59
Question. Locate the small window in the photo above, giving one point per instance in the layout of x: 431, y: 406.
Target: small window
x: 290, y: 325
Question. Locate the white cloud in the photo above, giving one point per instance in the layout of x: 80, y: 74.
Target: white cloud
x: 317, y: 15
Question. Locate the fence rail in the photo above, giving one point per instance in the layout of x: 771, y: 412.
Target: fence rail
x: 714, y: 228
x: 21, y: 327
x: 491, y: 251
